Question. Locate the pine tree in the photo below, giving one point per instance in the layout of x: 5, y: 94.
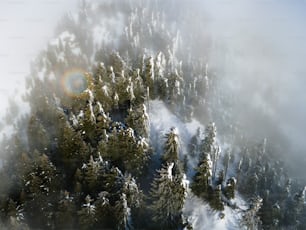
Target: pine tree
x: 103, y: 120
x: 208, y: 144
x: 171, y: 149
x: 294, y: 207
x: 135, y: 201
x: 122, y: 213
x: 251, y: 185
x: 126, y: 151
x: 104, y: 211
x: 220, y: 178
x: 92, y: 174
x: 41, y: 176
x: 215, y: 199
x: 167, y: 196
x: 138, y: 87
x: 250, y: 218
x: 72, y: 150
x: 36, y: 131
x: 86, y: 215
x: 117, y: 62
x: 193, y: 146
x: 149, y: 75
x: 299, y: 199
x: 269, y: 213
x: 226, y: 160
x: 175, y: 87
x: 87, y: 125
x: 15, y: 213
x: 210, y: 147
x: 229, y: 190
x: 65, y: 216
x: 103, y: 88
x: 40, y: 186
x: 202, y: 179
x: 138, y: 120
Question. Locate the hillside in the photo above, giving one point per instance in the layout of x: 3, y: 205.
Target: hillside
x: 123, y: 133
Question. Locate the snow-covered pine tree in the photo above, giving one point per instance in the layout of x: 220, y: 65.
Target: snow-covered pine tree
x: 171, y: 147
x: 37, y: 131
x: 209, y: 146
x: 71, y: 151
x: 123, y: 213
x: 103, y: 87
x: 65, y: 214
x: 194, y: 145
x: 40, y: 186
x: 209, y: 142
x: 86, y: 215
x: 201, y: 184
x: 215, y: 199
x: 250, y: 219
x: 92, y: 174
x: 15, y: 214
x: 149, y: 76
x: 167, y: 197
x: 229, y: 190
x: 175, y: 89
x: 127, y: 151
x: 220, y: 178
x: 135, y: 201
x: 138, y: 120
x: 104, y: 211
x: 226, y: 161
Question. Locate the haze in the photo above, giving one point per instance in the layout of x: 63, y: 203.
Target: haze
x: 26, y: 27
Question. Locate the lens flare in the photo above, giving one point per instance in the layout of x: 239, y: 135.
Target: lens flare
x: 74, y: 82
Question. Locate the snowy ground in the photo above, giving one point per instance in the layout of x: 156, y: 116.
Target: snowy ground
x: 198, y: 212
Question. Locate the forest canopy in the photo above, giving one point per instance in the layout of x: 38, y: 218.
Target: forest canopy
x: 86, y: 155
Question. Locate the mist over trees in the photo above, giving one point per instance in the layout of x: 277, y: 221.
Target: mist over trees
x: 84, y: 156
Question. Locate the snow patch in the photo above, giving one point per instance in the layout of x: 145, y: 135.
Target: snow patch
x: 203, y: 217
x: 170, y: 168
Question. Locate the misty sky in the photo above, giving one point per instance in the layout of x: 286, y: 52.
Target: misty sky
x: 26, y: 27
x: 265, y: 55
x: 259, y: 45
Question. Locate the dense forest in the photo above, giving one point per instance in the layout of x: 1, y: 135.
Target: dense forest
x: 86, y: 157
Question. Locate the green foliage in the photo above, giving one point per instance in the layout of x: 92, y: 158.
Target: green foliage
x: 149, y: 75
x: 37, y: 131
x: 226, y: 161
x: 171, y: 148
x: 72, y: 150
x: 208, y: 144
x: 40, y: 176
x: 65, y: 215
x: 175, y: 84
x: 215, y: 199
x: 125, y: 150
x: 202, y: 179
x: 229, y: 190
x: 86, y: 215
x: 220, y: 178
x: 250, y: 219
x: 193, y: 147
x: 138, y: 120
x: 167, y: 196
